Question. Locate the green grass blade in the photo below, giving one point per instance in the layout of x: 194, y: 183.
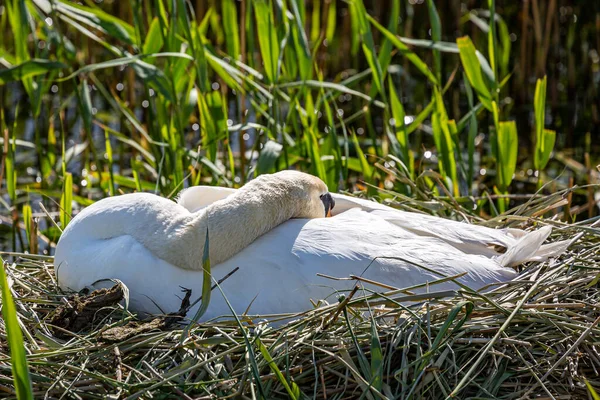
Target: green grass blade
x: 472, y: 67
x: 154, y: 38
x: 315, y: 19
x: 206, y: 287
x: 97, y: 19
x: 508, y: 147
x: 85, y: 106
x: 66, y: 201
x: 331, y: 21
x: 301, y: 43
x: 436, y: 35
x: 267, y: 39
x: 405, y: 51
x: 365, y: 167
x: 291, y: 388
x: 20, y: 370
x: 376, y: 358
x: 368, y: 45
x: 539, y: 104
x: 444, y: 142
x: 29, y: 69
x: 472, y: 133
x: 355, y: 30
x: 505, y: 47
x: 11, y: 171
x: 549, y: 136
x: 591, y: 390
x: 492, y: 43
x: 28, y: 220
x: 109, y: 159
x: 385, y: 49
x: 398, y: 116
x: 230, y: 25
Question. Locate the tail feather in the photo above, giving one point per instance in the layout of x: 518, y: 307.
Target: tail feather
x: 529, y: 248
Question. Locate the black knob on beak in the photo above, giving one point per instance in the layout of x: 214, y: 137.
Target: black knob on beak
x: 328, y: 202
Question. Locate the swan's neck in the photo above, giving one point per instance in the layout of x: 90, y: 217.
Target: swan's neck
x: 232, y: 223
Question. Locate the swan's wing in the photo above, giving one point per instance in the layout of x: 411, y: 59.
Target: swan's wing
x: 519, y: 246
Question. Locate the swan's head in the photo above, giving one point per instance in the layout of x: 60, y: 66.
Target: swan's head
x: 305, y: 195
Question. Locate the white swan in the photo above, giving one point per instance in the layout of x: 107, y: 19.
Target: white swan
x: 273, y: 231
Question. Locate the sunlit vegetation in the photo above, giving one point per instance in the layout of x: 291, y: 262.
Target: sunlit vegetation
x: 483, y: 111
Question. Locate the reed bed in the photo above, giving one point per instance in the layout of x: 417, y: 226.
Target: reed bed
x: 534, y: 337
x: 460, y: 110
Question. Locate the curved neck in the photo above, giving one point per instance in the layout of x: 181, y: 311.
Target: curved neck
x: 233, y: 224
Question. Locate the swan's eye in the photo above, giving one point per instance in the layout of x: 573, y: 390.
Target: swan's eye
x: 328, y: 203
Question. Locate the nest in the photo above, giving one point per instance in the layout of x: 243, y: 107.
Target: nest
x: 534, y: 337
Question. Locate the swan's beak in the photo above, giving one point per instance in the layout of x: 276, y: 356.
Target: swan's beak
x: 328, y: 202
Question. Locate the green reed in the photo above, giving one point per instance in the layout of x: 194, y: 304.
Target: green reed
x: 217, y: 92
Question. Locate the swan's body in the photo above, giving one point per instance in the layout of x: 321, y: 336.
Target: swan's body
x: 140, y: 240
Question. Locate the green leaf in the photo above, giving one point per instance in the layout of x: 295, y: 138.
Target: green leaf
x: 436, y: 35
x: 27, y: 219
x: 542, y: 156
x: 213, y: 121
x: 20, y: 370
x: 206, y: 286
x: 508, y: 146
x: 11, y: 171
x: 301, y: 43
x: 365, y: 167
x: 368, y: 45
x: 85, y: 106
x: 591, y: 389
x: 334, y: 86
x: 492, y: 50
x: 28, y: 69
x: 472, y: 132
x: 472, y: 67
x: 445, y: 332
x: 398, y: 116
x: 154, y: 39
x: 442, y: 134
x: 422, y: 116
x: 315, y: 21
x: 267, y: 39
x: 376, y: 358
x: 18, y: 17
x: 109, y: 159
x: 405, y: 51
x: 97, y: 19
x: 66, y: 201
x: 355, y: 30
x: 505, y: 46
x: 444, y: 47
x: 542, y: 152
x: 385, y: 50
x: 291, y: 388
x: 331, y: 21
x: 230, y: 25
